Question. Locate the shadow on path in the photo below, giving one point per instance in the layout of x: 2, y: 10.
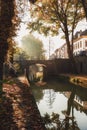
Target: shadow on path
x: 22, y: 108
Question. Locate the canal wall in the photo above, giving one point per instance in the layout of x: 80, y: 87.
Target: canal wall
x: 58, y: 66
x: 81, y: 63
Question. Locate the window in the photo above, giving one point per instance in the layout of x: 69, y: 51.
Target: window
x: 85, y: 43
x: 80, y: 44
x: 73, y: 47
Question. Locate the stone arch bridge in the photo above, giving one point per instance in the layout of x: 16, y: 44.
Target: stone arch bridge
x: 53, y: 67
x: 59, y: 66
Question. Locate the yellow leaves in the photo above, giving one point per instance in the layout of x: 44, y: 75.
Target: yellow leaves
x: 15, y: 20
x: 9, y: 40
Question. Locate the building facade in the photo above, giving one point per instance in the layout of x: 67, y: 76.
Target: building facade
x: 61, y: 52
x: 79, y: 46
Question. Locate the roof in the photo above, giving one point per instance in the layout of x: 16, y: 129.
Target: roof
x: 80, y: 33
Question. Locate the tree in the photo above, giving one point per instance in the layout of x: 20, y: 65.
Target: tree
x: 8, y: 20
x: 69, y: 106
x: 12, y: 49
x: 84, y: 3
x: 51, y: 16
x: 33, y: 46
x: 21, y: 55
x: 6, y: 15
x: 33, y: 1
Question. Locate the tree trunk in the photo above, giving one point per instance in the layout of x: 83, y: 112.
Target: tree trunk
x: 6, y: 14
x: 69, y: 105
x: 84, y: 3
x: 3, y: 49
x: 1, y: 77
x: 70, y: 52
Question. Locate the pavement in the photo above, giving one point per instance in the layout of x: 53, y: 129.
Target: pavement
x: 19, y: 110
x: 77, y: 79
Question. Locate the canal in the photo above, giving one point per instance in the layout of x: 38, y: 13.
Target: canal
x: 62, y: 98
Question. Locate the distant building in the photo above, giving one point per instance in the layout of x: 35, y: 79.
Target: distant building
x: 79, y: 46
x: 80, y: 43
x: 53, y: 56
x: 61, y: 52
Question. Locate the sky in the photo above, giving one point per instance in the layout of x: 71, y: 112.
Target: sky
x: 50, y: 44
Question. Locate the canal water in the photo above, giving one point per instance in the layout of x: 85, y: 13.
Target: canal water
x: 55, y: 97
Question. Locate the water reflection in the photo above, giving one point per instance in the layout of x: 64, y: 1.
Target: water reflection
x: 50, y: 97
x: 69, y: 101
x: 38, y: 94
x: 68, y: 111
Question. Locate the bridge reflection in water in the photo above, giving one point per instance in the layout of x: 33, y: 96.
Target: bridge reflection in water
x: 65, y: 99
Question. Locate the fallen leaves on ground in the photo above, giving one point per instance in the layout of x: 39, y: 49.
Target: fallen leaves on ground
x: 18, y: 109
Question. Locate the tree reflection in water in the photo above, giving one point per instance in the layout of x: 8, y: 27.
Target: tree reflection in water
x: 54, y: 95
x: 53, y: 122
x: 70, y: 102
x: 50, y: 97
x: 37, y: 92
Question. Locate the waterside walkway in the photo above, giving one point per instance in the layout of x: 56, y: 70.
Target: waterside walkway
x: 77, y: 79
x: 18, y: 109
